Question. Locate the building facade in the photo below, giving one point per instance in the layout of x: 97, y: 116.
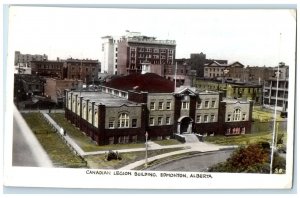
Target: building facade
x: 26, y: 58
x: 134, y: 50
x: 54, y: 88
x: 85, y: 70
x: 233, y: 90
x: 109, y: 52
x: 115, y: 115
x: 48, y: 68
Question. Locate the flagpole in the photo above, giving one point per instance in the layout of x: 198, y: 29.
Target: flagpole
x: 175, y: 76
x: 275, y: 115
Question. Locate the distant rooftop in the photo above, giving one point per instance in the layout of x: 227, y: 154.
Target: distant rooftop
x: 232, y: 101
x: 148, y: 82
x: 105, y: 98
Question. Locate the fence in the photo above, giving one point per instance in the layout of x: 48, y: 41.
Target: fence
x: 68, y: 141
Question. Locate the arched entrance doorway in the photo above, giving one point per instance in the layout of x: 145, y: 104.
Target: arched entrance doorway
x: 184, y: 125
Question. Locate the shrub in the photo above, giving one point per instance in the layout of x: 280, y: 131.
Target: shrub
x: 111, y: 155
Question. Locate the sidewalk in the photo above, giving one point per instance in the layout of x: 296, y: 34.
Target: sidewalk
x: 188, y: 147
x: 199, y: 146
x: 67, y: 138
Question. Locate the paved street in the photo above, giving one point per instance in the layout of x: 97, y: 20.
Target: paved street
x: 188, y: 147
x: 197, y: 163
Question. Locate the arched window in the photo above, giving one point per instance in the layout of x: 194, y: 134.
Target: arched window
x: 123, y: 121
x: 90, y: 118
x: 96, y: 118
x: 84, y: 112
x: 237, y: 115
x: 78, y: 108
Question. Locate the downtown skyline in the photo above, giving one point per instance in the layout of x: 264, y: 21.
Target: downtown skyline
x: 251, y: 37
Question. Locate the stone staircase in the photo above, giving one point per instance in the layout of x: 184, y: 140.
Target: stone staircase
x: 190, y: 138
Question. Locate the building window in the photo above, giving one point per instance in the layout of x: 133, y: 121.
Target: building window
x: 168, y: 120
x: 237, y: 115
x: 199, y: 105
x: 185, y: 105
x: 212, y: 118
x: 213, y: 103
x: 229, y: 117
x: 111, y: 124
x: 205, y: 118
x: 160, y: 120
x: 96, y: 119
x: 244, y: 117
x: 134, y: 123
x: 111, y: 140
x: 122, y: 139
x: 134, y: 138
x: 152, y: 105
x: 198, y: 118
x: 151, y: 121
x: 90, y: 118
x: 206, y: 104
x: 168, y: 105
x: 123, y: 120
x: 160, y: 105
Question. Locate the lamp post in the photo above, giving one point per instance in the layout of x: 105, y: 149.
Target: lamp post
x: 225, y: 71
x: 146, y: 157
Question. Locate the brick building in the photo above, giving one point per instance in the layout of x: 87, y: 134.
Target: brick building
x: 54, y: 88
x: 48, y: 68
x: 233, y: 90
x: 135, y: 49
x: 128, y: 106
x: 82, y: 69
x: 25, y: 59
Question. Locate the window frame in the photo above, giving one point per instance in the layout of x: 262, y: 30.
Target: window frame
x: 123, y: 120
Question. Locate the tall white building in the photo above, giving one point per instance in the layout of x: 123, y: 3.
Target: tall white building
x: 109, y: 52
x: 109, y: 56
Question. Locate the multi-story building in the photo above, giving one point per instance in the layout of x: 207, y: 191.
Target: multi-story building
x: 85, y: 70
x: 82, y: 69
x: 233, y: 90
x: 183, y: 73
x: 215, y: 70
x: 129, y: 106
x: 26, y: 58
x: 197, y: 61
x: 48, y: 68
x: 280, y: 91
x: 54, y: 88
x: 134, y: 50
x: 109, y: 61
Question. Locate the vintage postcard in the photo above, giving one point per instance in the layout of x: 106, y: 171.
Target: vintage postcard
x: 135, y: 98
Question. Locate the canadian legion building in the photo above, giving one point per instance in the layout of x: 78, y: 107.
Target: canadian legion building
x: 125, y: 108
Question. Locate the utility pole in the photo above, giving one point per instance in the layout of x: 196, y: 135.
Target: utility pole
x: 146, y: 157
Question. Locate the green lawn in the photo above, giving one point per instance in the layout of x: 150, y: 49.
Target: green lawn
x: 98, y: 161
x: 167, y: 142
x: 58, y: 151
x: 243, y: 139
x: 264, y: 115
x: 84, y: 141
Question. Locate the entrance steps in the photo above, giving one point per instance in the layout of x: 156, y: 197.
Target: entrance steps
x: 190, y: 138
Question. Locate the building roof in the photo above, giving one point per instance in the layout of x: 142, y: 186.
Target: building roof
x: 105, y: 99
x: 216, y: 64
x: 148, y: 82
x: 235, y: 101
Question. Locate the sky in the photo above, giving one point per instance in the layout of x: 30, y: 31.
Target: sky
x: 251, y: 37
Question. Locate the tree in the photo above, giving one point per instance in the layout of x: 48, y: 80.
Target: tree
x: 254, y: 158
